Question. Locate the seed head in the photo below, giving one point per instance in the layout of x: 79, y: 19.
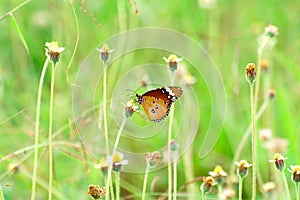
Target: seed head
x: 279, y: 161
x: 96, y: 192
x: 208, y: 183
x: 243, y: 166
x: 250, y: 73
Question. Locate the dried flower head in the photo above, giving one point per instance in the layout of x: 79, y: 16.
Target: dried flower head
x: 102, y: 165
x: 13, y: 168
x: 250, y: 73
x: 218, y: 174
x: 227, y: 194
x: 295, y: 170
x: 269, y: 186
x: 271, y: 31
x: 116, y: 161
x: 265, y: 134
x: 243, y: 166
x: 174, y: 146
x: 153, y: 159
x: 130, y: 108
x: 271, y: 94
x: 275, y: 145
x: 172, y: 61
x: 105, y: 52
x: 96, y: 192
x: 279, y: 161
x: 53, y: 51
x: 208, y: 183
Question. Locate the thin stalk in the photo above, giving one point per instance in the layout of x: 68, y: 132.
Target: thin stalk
x: 258, y: 71
x: 114, y: 151
x: 174, y: 175
x: 37, y: 127
x: 286, y: 187
x: 203, y: 197
x: 50, y: 133
x: 14, y: 9
x: 145, y: 182
x: 219, y: 191
x: 117, y: 185
x: 247, y: 133
x: 297, y: 190
x: 104, y: 107
x: 111, y: 186
x: 1, y: 194
x: 20, y: 34
x: 240, y: 188
x: 169, y: 146
x: 254, y: 167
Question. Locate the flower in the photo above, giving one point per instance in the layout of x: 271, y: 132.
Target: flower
x: 174, y: 146
x: 276, y: 145
x: 218, y: 174
x: 271, y: 93
x: 102, y: 165
x: 265, y: 65
x: 271, y: 30
x: 295, y: 170
x: 250, y: 73
x: 116, y: 161
x: 243, y: 166
x: 105, y: 52
x: 96, y: 192
x: 183, y: 76
x: 227, y: 194
x: 130, y: 108
x: 172, y: 61
x: 265, y: 134
x: 208, y: 183
x: 279, y: 161
x: 153, y: 159
x: 53, y: 51
x: 269, y: 186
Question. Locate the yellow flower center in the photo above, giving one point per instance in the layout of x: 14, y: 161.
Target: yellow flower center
x: 105, y: 47
x: 296, y: 169
x: 117, y: 158
x: 218, y: 169
x: 172, y: 58
x: 277, y: 156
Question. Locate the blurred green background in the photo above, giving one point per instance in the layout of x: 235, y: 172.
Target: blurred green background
x: 229, y: 31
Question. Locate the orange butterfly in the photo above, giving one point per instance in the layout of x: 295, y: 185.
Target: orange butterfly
x: 157, y: 103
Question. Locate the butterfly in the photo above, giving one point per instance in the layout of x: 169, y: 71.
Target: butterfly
x: 157, y: 103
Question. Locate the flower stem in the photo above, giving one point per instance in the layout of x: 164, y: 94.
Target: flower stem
x: 203, y: 197
x: 240, y: 188
x: 117, y: 185
x: 104, y: 106
x: 111, y: 189
x: 254, y: 168
x: 169, y: 146
x: 174, y: 175
x: 286, y: 187
x: 37, y: 127
x: 219, y: 191
x: 50, y: 132
x: 297, y: 190
x: 1, y: 194
x: 247, y: 133
x: 114, y: 151
x: 145, y: 182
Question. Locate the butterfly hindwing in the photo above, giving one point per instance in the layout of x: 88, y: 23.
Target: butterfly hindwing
x: 157, y: 103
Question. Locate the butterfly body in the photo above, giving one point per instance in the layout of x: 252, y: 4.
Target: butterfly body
x: 157, y: 103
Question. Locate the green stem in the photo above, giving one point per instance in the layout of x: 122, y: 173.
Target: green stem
x: 1, y: 194
x: 254, y: 168
x: 50, y: 133
x: 203, y: 197
x: 297, y: 190
x: 169, y: 146
x: 14, y: 9
x: 20, y: 34
x: 247, y: 133
x: 240, y: 188
x: 174, y: 175
x: 111, y: 189
x: 145, y: 182
x: 104, y: 106
x: 117, y: 185
x: 37, y: 127
x: 219, y: 191
x: 119, y: 135
x: 286, y: 187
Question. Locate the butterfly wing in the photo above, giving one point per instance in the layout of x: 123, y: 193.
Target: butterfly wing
x: 157, y: 103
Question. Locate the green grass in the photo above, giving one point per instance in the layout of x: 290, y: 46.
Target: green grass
x: 229, y: 32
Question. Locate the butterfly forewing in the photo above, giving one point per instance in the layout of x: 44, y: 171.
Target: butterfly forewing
x: 157, y: 103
